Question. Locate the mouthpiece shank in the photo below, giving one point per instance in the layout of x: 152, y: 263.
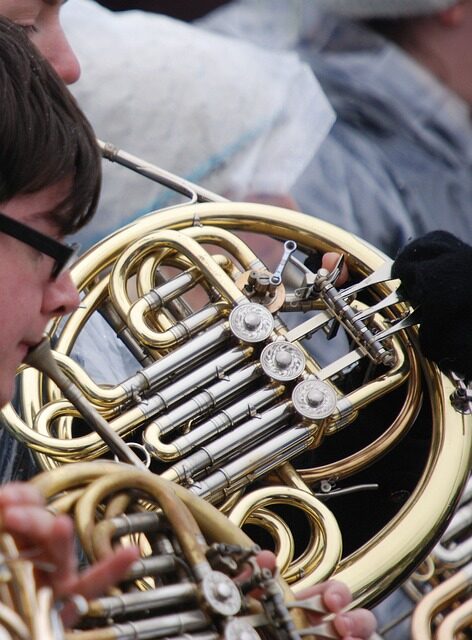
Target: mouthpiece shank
x: 42, y: 359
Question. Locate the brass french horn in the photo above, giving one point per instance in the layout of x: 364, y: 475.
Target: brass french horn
x: 441, y: 587
x: 27, y: 611
x: 188, y: 582
x: 194, y: 578
x: 348, y: 467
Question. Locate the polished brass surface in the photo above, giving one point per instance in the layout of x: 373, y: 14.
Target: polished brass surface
x: 203, y: 396
x: 441, y: 588
x: 184, y: 581
x: 191, y: 579
x: 439, y: 600
x: 27, y: 610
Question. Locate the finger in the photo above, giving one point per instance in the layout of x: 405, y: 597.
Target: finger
x: 95, y: 581
x: 266, y: 560
x: 329, y: 262
x: 59, y: 548
x: 358, y: 624
x: 336, y: 595
x: 51, y: 537
x: 19, y: 493
x: 32, y: 522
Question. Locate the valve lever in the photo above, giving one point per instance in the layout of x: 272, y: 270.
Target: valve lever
x: 289, y: 247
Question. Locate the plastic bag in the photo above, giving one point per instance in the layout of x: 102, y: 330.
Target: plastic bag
x: 218, y: 111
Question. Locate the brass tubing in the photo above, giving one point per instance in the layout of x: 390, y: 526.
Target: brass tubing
x: 177, y: 241
x: 313, y: 553
x: 155, y: 627
x: 280, y: 532
x: 111, y: 477
x: 166, y: 178
x: 13, y: 624
x: 69, y: 450
x: 42, y: 358
x: 396, y: 430
x: 439, y: 598
x: 230, y: 417
x: 152, y: 376
x: 149, y: 277
x: 241, y: 439
x: 154, y: 599
x: 198, y: 407
x: 26, y: 610
x: 182, y: 522
x: 320, y: 518
x: 212, y: 523
x: 258, y: 460
x: 458, y: 620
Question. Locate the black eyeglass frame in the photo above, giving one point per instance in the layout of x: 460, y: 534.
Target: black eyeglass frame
x: 62, y: 254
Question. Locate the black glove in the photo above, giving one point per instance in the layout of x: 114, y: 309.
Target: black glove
x: 436, y: 275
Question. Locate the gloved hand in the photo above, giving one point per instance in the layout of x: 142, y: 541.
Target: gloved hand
x: 436, y: 275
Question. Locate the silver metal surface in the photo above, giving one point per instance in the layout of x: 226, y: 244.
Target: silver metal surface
x: 283, y: 361
x: 314, y: 399
x: 251, y: 322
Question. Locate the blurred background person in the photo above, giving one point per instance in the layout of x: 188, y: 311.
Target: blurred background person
x: 235, y: 118
x: 398, y: 161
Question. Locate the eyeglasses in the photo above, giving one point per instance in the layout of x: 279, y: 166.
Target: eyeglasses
x: 62, y: 254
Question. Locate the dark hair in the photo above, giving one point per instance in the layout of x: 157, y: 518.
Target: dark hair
x: 44, y: 136
x: 397, y: 30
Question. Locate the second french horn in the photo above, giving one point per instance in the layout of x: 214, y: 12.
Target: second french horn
x: 346, y: 459
x: 188, y: 582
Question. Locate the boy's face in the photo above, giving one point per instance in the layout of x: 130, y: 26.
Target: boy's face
x: 29, y: 297
x: 40, y: 18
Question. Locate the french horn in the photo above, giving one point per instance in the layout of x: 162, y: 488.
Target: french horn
x: 27, y: 610
x: 194, y: 577
x: 303, y: 410
x: 442, y: 586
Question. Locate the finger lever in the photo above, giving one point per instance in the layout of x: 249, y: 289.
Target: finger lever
x: 289, y: 247
x: 314, y: 604
x: 336, y: 271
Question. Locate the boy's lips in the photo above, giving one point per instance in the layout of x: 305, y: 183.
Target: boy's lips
x: 28, y: 346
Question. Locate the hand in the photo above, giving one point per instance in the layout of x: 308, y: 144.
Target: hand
x: 358, y: 624
x: 268, y: 250
x: 329, y: 261
x: 50, y: 541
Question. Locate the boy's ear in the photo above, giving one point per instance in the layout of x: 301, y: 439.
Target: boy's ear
x: 453, y: 16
